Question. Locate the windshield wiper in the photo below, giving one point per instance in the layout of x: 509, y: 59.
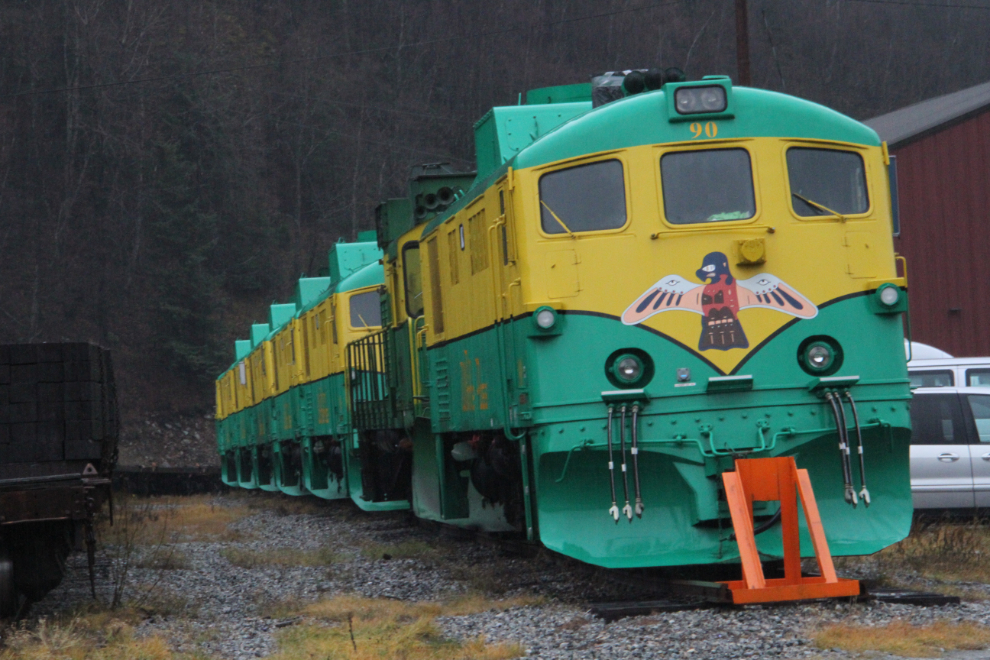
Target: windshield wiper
x: 820, y: 207
x: 561, y: 222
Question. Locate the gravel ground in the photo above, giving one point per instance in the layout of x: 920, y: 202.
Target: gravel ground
x: 169, y: 441
x: 218, y: 609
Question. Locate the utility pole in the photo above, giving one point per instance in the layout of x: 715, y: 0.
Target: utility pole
x: 742, y: 44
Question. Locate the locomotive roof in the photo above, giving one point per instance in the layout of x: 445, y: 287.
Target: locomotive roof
x: 643, y: 119
x: 526, y: 136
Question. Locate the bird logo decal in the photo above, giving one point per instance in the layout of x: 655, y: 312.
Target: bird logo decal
x: 719, y: 299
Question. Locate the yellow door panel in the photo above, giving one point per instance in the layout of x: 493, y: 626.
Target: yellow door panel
x: 861, y: 254
x: 562, y: 274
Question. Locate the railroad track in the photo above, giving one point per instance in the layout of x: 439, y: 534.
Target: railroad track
x: 670, y: 591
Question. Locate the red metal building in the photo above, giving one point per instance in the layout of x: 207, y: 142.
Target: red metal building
x: 942, y: 147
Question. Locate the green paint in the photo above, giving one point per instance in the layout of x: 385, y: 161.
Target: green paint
x: 580, y: 92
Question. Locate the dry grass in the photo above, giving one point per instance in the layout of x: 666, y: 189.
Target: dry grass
x: 286, y: 506
x: 947, y: 551
x: 206, y: 518
x: 246, y: 558
x: 188, y: 518
x: 903, y: 639
x: 403, y: 550
x: 372, y: 629
x: 167, y: 559
x: 92, y: 636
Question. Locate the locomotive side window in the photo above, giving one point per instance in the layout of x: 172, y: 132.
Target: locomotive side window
x: 826, y: 182
x: 584, y: 198
x: 712, y: 185
x: 366, y: 310
x: 412, y: 270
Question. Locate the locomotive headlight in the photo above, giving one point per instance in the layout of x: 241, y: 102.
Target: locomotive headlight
x: 889, y: 295
x: 545, y: 318
x: 629, y: 368
x: 698, y: 100
x: 819, y: 357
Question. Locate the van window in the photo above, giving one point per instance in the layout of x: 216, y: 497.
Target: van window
x: 980, y: 405
x: 936, y: 419
x: 978, y: 377
x: 713, y: 185
x: 931, y: 378
x: 584, y: 198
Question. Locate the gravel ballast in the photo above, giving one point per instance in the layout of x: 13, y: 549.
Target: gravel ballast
x: 213, y: 607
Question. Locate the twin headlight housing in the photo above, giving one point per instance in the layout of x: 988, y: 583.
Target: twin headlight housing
x: 700, y: 100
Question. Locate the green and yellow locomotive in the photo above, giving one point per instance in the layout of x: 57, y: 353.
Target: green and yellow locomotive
x: 635, y: 289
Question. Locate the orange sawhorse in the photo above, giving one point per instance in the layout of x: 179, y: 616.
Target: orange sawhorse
x: 768, y: 479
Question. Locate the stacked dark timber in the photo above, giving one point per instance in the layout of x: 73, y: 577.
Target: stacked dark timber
x: 58, y: 446
x: 56, y: 405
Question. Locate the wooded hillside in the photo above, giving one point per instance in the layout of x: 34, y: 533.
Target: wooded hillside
x: 168, y: 168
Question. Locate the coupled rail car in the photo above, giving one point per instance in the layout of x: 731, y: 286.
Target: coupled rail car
x: 58, y: 447
x: 646, y: 280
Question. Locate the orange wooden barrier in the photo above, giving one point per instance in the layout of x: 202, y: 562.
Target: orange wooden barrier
x: 779, y: 479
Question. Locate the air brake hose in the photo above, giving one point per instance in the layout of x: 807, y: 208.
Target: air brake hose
x: 840, y: 428
x: 763, y: 526
x: 864, y: 494
x: 627, y: 509
x: 614, y: 510
x: 635, y: 458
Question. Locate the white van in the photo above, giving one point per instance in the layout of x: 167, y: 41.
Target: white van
x: 931, y: 367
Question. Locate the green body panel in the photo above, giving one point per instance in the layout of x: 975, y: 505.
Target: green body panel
x: 680, y: 483
x: 242, y: 347
x: 258, y: 333
x: 443, y: 492
x: 559, y: 94
x: 503, y: 132
x: 317, y: 479
x: 349, y: 258
x: 310, y: 291
x: 278, y: 316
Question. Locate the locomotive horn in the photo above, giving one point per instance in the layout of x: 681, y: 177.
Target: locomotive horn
x: 634, y: 83
x: 421, y: 213
x: 673, y: 74
x: 445, y: 196
x: 654, y: 79
x: 430, y: 201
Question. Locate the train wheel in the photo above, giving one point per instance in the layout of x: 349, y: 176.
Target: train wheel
x: 8, y: 591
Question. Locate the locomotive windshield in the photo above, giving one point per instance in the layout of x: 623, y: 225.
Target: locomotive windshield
x: 713, y: 185
x: 826, y: 182
x: 583, y: 198
x: 366, y: 310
